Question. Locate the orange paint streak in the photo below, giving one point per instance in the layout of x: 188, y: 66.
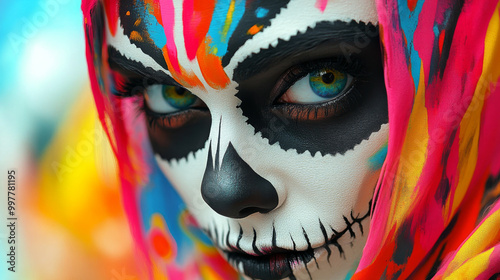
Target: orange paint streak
x: 254, y: 29
x: 187, y: 79
x: 154, y: 9
x: 211, y: 67
x: 137, y: 22
x: 135, y: 36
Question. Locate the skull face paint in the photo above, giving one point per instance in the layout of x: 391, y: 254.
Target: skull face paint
x: 269, y: 118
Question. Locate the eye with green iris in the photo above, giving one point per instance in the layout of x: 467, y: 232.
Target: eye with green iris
x: 165, y: 99
x: 327, y: 83
x: 317, y: 86
x: 178, y: 97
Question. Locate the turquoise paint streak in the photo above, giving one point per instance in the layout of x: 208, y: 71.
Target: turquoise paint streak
x: 350, y: 274
x: 408, y: 21
x: 377, y: 160
x: 155, y: 30
x: 218, y: 45
x: 261, y: 12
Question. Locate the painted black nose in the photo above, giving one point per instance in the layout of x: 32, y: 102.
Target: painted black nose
x: 235, y: 190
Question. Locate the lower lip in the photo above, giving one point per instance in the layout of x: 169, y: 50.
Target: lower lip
x: 271, y: 266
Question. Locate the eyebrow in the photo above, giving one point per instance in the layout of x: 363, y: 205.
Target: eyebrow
x: 119, y: 62
x: 341, y: 33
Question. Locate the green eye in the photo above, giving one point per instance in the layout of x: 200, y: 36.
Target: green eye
x: 166, y: 99
x: 178, y: 97
x: 317, y: 86
x: 327, y: 83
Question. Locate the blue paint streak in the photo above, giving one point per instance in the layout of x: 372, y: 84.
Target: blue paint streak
x: 157, y: 34
x: 377, y: 160
x: 436, y: 30
x: 218, y: 45
x: 155, y: 30
x: 409, y: 21
x: 261, y: 12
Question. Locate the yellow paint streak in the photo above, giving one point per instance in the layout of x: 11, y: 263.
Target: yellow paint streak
x: 486, y: 236
x: 229, y: 20
x: 472, y: 268
x: 471, y: 122
x: 209, y: 273
x: 157, y: 221
x: 135, y: 36
x: 413, y: 157
x: 158, y: 273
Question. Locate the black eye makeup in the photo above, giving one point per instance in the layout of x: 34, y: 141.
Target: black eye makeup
x: 165, y: 103
x: 324, y: 92
x: 317, y: 89
x: 178, y: 122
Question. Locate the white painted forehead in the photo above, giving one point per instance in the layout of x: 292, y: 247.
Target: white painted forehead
x: 296, y: 17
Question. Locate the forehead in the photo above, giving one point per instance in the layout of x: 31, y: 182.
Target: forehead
x: 200, y: 42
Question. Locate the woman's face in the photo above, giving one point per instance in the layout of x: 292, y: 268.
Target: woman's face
x: 268, y: 117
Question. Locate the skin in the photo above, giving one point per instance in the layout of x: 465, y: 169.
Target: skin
x: 276, y: 175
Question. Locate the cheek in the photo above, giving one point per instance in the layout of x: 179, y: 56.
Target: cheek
x: 322, y: 183
x: 318, y: 184
x: 186, y: 175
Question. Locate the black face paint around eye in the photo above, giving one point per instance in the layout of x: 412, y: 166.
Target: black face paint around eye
x: 363, y: 109
x: 136, y: 70
x: 135, y: 20
x: 257, y: 17
x: 178, y: 142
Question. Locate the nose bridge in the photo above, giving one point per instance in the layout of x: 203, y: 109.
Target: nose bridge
x: 227, y: 120
x: 230, y: 186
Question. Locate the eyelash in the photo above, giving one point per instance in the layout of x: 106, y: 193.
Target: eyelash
x: 336, y: 107
x: 128, y: 87
x: 349, y: 99
x: 173, y: 120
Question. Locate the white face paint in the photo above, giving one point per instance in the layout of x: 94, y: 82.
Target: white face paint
x: 321, y: 217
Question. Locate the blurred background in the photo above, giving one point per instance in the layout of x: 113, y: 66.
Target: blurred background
x: 70, y: 224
